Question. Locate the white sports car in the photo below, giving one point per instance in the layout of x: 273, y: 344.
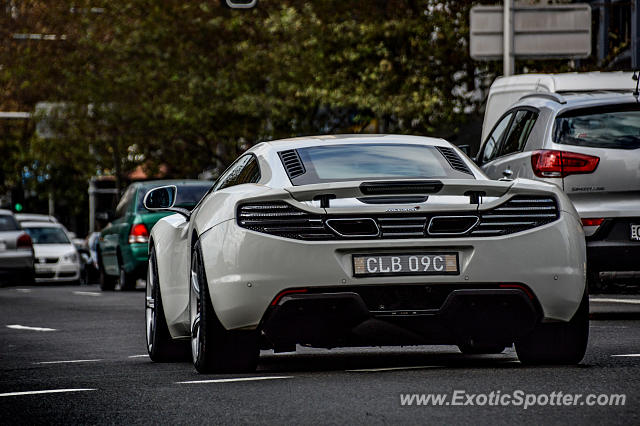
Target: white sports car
x: 365, y: 240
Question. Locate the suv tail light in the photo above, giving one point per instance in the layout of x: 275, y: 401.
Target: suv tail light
x: 24, y: 241
x: 558, y: 164
x: 138, y: 234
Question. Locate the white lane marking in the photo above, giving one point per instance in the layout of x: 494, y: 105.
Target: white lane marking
x: 237, y: 379
x: 44, y: 391
x: 72, y: 361
x: 373, y: 370
x: 138, y: 356
x: 24, y: 290
x: 87, y: 293
x: 629, y: 355
x: 610, y: 300
x: 24, y: 327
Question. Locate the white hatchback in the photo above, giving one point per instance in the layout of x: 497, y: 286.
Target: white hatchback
x: 56, y: 258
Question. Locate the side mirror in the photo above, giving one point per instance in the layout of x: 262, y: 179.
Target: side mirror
x: 163, y: 197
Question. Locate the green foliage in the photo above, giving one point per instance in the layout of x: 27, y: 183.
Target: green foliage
x: 189, y: 85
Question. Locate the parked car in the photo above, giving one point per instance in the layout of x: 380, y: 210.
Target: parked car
x: 588, y: 145
x: 35, y: 217
x: 365, y: 240
x: 505, y: 91
x: 16, y: 251
x: 56, y: 258
x: 123, y: 244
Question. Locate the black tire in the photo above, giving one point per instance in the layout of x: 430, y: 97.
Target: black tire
x: 214, y: 349
x: 160, y: 345
x: 481, y: 349
x: 557, y: 343
x: 107, y: 282
x: 595, y: 284
x: 126, y: 281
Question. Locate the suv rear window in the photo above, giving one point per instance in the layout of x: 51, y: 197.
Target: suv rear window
x: 335, y: 163
x: 616, y: 126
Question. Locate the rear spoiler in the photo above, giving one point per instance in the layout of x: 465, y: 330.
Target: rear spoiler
x: 356, y: 189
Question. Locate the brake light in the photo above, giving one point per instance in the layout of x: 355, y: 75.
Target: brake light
x: 591, y: 222
x: 138, y: 234
x: 519, y: 287
x: 558, y: 164
x: 285, y: 292
x: 24, y: 241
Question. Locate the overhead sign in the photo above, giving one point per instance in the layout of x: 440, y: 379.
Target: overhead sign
x: 539, y: 32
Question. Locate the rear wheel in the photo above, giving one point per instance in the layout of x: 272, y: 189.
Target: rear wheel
x: 127, y: 281
x: 107, y: 282
x: 557, y: 343
x: 213, y: 348
x: 160, y: 346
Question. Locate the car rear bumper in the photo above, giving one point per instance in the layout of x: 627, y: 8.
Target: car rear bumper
x: 12, y: 260
x: 487, y: 315
x: 611, y: 248
x: 247, y: 269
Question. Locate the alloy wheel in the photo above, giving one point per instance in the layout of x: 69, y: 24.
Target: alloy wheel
x: 150, y: 305
x: 195, y: 308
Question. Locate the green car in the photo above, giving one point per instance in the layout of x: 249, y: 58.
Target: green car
x: 124, y: 242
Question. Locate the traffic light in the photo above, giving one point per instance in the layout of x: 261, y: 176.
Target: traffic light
x: 17, y: 199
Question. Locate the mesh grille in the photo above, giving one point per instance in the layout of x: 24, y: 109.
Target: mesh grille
x: 518, y: 214
x: 292, y: 163
x: 454, y: 160
x: 282, y: 219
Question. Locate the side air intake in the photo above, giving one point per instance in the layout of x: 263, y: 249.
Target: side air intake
x: 454, y: 159
x: 292, y: 163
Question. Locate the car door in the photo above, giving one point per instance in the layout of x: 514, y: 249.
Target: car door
x: 509, y: 159
x: 491, y: 146
x: 111, y: 235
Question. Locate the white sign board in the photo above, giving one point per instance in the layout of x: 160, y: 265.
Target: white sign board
x: 542, y: 32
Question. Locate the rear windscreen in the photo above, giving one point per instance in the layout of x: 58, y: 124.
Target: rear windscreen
x: 47, y: 235
x: 615, y: 126
x: 334, y: 163
x: 8, y: 223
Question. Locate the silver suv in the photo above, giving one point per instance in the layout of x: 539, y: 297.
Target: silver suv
x: 588, y: 145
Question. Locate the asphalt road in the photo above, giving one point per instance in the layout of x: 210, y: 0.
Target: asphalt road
x: 91, y: 346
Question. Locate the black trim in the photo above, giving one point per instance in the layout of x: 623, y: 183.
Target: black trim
x: 401, y: 187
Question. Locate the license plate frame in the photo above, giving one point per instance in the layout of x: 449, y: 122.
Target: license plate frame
x: 635, y: 232
x: 385, y: 260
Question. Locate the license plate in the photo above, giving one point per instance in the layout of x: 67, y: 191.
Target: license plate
x: 368, y: 265
x: 635, y: 232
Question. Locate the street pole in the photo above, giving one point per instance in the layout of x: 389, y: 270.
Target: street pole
x: 508, y: 62
x: 635, y: 34
x: 92, y: 206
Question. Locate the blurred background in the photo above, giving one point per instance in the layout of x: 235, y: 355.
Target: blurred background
x: 98, y: 94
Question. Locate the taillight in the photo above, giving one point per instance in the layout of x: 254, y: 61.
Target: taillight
x: 138, y: 234
x: 592, y: 222
x: 558, y: 164
x: 24, y: 241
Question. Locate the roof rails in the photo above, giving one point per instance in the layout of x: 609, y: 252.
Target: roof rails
x: 546, y: 95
